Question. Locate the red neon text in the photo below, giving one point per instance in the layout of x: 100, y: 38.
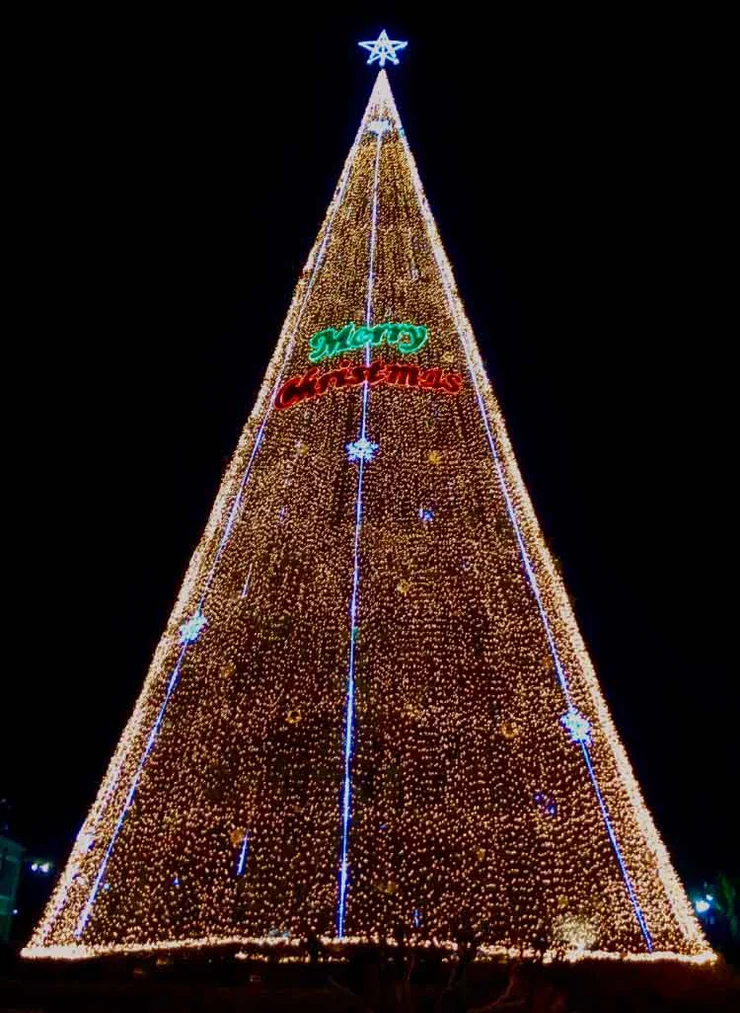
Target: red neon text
x: 313, y: 383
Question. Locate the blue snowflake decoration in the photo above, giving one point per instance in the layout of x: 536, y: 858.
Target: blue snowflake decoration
x: 417, y: 918
x: 190, y: 630
x: 383, y: 48
x: 426, y: 514
x: 362, y: 450
x: 379, y: 127
x: 578, y: 727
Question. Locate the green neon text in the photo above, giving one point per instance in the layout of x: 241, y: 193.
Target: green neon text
x: 407, y: 338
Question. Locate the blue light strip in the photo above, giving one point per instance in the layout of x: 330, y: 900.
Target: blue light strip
x: 243, y: 854
x: 349, y: 717
x: 532, y: 580
x: 562, y: 679
x: 174, y: 677
x: 82, y: 922
x: 615, y: 845
x: 248, y: 471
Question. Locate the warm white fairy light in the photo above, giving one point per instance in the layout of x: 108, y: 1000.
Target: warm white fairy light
x: 487, y: 779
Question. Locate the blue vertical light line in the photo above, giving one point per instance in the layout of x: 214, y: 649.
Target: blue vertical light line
x: 617, y: 850
x: 222, y: 544
x: 268, y: 411
x: 349, y: 716
x: 556, y: 659
x: 243, y: 854
x: 373, y: 236
x: 532, y: 580
x: 80, y: 928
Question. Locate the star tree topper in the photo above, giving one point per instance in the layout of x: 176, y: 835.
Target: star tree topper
x: 383, y: 49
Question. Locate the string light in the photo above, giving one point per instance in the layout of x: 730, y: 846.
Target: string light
x: 389, y: 705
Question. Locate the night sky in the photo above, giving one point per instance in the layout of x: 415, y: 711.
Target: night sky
x: 169, y: 176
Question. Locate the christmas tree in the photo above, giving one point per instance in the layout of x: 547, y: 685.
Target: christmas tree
x: 372, y: 714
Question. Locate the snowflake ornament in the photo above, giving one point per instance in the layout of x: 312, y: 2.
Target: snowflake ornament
x: 577, y: 726
x: 190, y: 630
x: 362, y: 450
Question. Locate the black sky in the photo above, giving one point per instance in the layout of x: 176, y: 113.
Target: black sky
x: 169, y: 174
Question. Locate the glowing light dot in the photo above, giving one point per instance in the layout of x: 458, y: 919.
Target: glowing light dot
x: 509, y: 730
x: 426, y: 514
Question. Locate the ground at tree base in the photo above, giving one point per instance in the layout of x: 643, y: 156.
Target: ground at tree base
x: 370, y: 982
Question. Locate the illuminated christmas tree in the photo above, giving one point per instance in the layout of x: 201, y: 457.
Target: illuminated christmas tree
x: 371, y: 712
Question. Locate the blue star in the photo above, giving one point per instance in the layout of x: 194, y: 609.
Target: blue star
x: 426, y: 514
x: 578, y: 726
x: 362, y: 450
x: 383, y: 49
x: 190, y: 630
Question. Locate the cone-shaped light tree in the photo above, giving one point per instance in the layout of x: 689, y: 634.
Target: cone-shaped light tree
x: 371, y: 710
